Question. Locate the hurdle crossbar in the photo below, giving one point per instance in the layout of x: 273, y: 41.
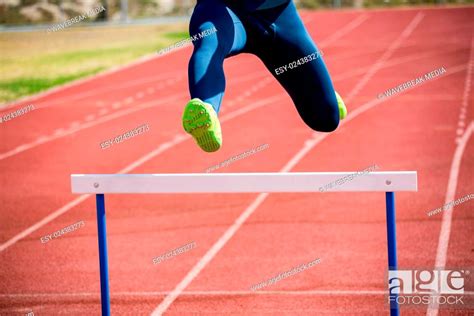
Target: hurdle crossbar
x: 100, y: 184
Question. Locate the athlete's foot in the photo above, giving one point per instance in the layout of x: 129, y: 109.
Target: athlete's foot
x: 200, y: 120
x: 341, y: 106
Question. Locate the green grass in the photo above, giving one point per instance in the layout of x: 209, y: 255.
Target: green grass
x: 177, y: 35
x: 32, y: 62
x: 17, y: 88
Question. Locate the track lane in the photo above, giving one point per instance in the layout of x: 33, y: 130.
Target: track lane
x: 125, y: 224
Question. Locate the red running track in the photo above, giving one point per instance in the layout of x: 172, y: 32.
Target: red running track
x: 245, y: 239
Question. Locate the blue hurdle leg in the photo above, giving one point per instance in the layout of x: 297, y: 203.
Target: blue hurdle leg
x: 104, y: 268
x: 392, y: 245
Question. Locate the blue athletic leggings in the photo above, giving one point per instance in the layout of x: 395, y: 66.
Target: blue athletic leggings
x: 278, y: 37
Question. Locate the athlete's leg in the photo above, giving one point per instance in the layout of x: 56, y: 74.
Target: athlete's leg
x: 205, y: 71
x: 309, y: 83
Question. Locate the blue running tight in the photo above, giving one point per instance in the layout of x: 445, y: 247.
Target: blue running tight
x: 278, y: 38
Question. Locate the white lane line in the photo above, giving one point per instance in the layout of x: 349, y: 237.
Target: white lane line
x: 250, y: 92
x: 393, y: 62
x: 467, y: 92
x: 128, y: 100
x: 345, y: 30
x: 386, y: 55
x: 33, y: 98
x: 44, y: 221
x: 201, y: 293
x: 101, y: 120
x: 450, y: 196
x: 314, y: 142
x: 243, y: 78
x: 445, y: 231
x: 75, y: 83
x: 194, y: 293
x: 178, y: 138
x: 103, y: 111
x: 335, y: 36
x: 162, y: 148
x: 59, y: 131
x: 229, y: 233
x: 210, y: 254
x: 74, y: 124
x: 89, y: 118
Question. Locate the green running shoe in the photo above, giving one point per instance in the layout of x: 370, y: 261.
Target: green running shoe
x: 342, y: 107
x: 200, y: 120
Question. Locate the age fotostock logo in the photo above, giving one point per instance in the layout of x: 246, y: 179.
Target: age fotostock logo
x: 423, y: 287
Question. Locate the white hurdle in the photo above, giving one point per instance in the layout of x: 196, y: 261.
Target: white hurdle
x: 101, y: 184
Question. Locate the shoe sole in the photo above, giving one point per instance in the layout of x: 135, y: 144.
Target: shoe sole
x: 198, y: 122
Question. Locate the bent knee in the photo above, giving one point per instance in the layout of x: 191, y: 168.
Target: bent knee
x: 326, y: 125
x: 324, y: 119
x: 319, y: 111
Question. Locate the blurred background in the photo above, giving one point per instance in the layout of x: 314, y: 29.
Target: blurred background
x: 33, y: 60
x: 20, y: 12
